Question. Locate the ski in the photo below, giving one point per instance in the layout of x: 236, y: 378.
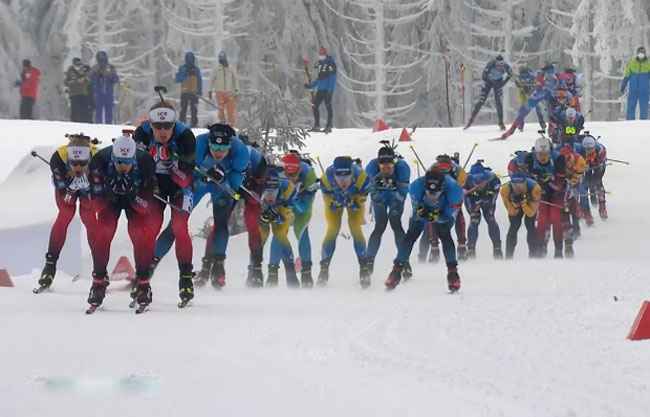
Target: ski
x: 497, y: 138
x: 183, y: 303
x: 510, y: 131
x: 142, y: 308
x: 40, y: 289
x: 132, y: 304
x: 91, y: 309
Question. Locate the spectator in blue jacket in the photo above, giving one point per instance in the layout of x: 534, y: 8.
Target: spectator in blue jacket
x: 496, y: 74
x: 189, y: 77
x: 637, y: 74
x: 103, y: 78
x: 325, y: 83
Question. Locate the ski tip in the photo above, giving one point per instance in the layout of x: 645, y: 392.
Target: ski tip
x: 91, y: 309
x: 141, y: 309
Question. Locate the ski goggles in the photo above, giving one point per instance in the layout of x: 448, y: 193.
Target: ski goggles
x: 162, y: 125
x: 270, y: 193
x: 219, y: 148
x: 78, y: 163
x: 384, y: 165
x: 570, y: 130
x: 123, y: 161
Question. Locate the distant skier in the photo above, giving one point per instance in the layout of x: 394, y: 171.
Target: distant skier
x: 30, y: 79
x: 525, y: 82
x: 69, y: 166
x: 481, y: 194
x: 435, y: 197
x: 595, y: 156
x: 122, y: 178
x: 637, y: 75
x: 390, y: 177
x: 521, y: 198
x: 574, y: 83
x: 496, y: 74
x: 325, y: 84
x: 103, y: 77
x: 302, y: 175
x: 189, y: 77
x: 575, y: 168
x: 172, y: 145
x: 345, y: 186
x: 277, y: 197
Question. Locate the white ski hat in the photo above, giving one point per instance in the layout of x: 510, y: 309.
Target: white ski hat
x: 78, y: 153
x: 124, y: 147
x: 588, y: 142
x: 162, y: 114
x: 542, y: 145
x: 570, y: 112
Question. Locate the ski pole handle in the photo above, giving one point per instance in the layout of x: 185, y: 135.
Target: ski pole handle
x: 228, y: 190
x: 470, y: 155
x: 319, y: 164
x: 36, y: 155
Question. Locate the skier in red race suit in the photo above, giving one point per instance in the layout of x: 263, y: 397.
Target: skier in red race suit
x: 172, y: 146
x: 69, y: 165
x: 122, y: 178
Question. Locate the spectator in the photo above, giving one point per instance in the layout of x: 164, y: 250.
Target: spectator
x: 189, y: 77
x: 30, y: 78
x: 637, y: 74
x: 77, y: 79
x: 325, y: 83
x: 103, y: 78
x: 225, y: 83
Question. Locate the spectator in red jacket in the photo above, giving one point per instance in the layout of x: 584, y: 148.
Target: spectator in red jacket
x: 30, y: 78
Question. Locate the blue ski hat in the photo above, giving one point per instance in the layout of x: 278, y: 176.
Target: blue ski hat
x: 222, y: 54
x: 434, y: 180
x: 342, y: 166
x: 518, y: 178
x: 477, y: 173
x: 77, y: 61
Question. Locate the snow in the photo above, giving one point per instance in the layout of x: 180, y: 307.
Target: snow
x: 522, y: 338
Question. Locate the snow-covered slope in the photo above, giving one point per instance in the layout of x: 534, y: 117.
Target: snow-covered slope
x: 523, y: 338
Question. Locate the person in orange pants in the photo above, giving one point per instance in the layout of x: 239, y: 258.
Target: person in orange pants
x: 225, y: 83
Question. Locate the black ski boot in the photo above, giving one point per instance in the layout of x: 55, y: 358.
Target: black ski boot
x: 328, y: 129
x: 370, y: 264
x: 558, y: 253
x: 568, y: 249
x: 471, y: 252
x: 203, y: 276
x: 292, y: 277
x: 272, y: 277
x: 315, y: 128
x: 185, y: 284
x: 218, y: 273
x: 364, y: 273
x: 255, y: 277
x: 469, y: 123
x: 305, y: 275
x: 48, y: 273
x: 144, y: 296
x: 154, y: 265
x: 434, y: 254
x: 453, y: 280
x: 496, y: 251
x: 98, y: 289
x: 502, y: 126
x: 461, y: 252
x: 407, y: 271
x: 395, y: 276
x: 593, y: 199
x: 324, y: 274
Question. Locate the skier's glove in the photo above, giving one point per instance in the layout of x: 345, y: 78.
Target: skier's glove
x: 115, y: 185
x: 129, y: 186
x: 270, y: 214
x: 215, y: 174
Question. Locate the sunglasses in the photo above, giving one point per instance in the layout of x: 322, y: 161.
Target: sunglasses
x: 162, y: 125
x: 78, y: 163
x: 123, y: 161
x: 220, y: 148
x: 291, y: 174
x: 384, y: 165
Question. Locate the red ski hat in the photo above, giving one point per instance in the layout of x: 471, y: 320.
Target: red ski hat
x: 291, y: 163
x: 322, y: 51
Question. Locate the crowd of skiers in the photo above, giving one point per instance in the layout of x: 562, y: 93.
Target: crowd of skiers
x: 161, y: 164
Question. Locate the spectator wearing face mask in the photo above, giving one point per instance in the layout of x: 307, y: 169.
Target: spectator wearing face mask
x: 77, y: 80
x: 224, y: 83
x: 637, y: 75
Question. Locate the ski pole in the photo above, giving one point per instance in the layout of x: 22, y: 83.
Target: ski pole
x: 548, y: 203
x: 228, y: 190
x: 470, y: 154
x: 205, y: 100
x: 166, y: 202
x: 618, y: 161
x: 36, y: 155
x: 418, y: 157
x: 319, y: 164
x: 415, y: 161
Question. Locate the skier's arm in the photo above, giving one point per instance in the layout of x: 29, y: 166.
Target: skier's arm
x: 181, y: 74
x: 332, y: 78
x: 507, y: 202
x: 59, y: 172
x: 530, y: 205
x: 183, y: 174
x: 143, y: 197
x: 626, y: 76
